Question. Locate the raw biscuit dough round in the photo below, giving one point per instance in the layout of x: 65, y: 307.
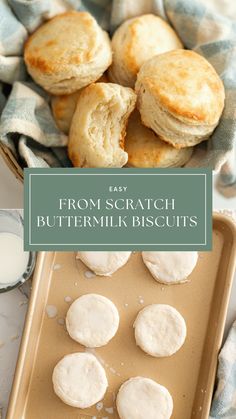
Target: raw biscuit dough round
x: 142, y: 398
x: 92, y: 320
x: 104, y: 263
x: 170, y: 267
x: 79, y: 380
x: 160, y: 330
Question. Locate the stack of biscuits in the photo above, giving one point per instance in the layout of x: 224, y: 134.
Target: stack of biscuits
x: 137, y: 100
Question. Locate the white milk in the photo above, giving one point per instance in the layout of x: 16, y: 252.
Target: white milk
x: 13, y: 259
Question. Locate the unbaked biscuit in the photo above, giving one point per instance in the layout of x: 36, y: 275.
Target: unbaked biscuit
x: 67, y: 53
x: 180, y: 96
x: 63, y: 107
x: 79, y: 380
x: 136, y: 41
x: 160, y: 330
x: 98, y: 126
x: 146, y: 149
x: 170, y: 267
x: 143, y: 398
x: 92, y: 320
x: 103, y: 263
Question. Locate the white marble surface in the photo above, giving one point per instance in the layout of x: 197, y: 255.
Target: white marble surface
x: 13, y: 307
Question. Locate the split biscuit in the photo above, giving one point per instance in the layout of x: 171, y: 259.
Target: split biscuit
x: 98, y: 127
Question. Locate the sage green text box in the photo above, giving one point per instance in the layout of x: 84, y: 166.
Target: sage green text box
x: 118, y: 209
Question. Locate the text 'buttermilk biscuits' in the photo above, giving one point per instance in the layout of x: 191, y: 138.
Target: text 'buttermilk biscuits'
x: 67, y: 53
x: 180, y: 96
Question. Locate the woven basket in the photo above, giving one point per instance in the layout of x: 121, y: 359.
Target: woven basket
x: 11, y: 162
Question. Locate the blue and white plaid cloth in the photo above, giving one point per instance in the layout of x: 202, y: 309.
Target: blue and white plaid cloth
x: 224, y: 402
x: 26, y: 124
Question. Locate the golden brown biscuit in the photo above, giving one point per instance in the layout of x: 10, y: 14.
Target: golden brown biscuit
x: 98, y: 126
x: 146, y: 149
x: 180, y: 96
x: 63, y: 107
x: 67, y: 53
x: 136, y: 41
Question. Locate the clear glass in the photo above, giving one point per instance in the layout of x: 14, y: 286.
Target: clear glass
x: 11, y: 221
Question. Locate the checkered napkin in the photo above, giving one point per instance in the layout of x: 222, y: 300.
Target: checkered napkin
x: 224, y: 402
x: 26, y: 124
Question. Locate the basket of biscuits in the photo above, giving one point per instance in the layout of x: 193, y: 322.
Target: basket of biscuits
x: 145, y: 93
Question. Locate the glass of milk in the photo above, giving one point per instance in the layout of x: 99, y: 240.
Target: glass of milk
x: 16, y: 265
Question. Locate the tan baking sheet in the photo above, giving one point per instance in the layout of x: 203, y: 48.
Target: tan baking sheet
x: 189, y: 374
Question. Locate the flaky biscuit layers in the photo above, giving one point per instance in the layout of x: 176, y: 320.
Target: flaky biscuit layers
x: 180, y: 96
x: 136, y: 41
x: 146, y: 149
x: 67, y: 53
x: 98, y: 128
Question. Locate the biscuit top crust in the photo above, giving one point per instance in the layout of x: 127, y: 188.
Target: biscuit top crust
x: 185, y: 84
x: 139, y: 38
x: 105, y: 91
x: 71, y: 38
x: 147, y: 35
